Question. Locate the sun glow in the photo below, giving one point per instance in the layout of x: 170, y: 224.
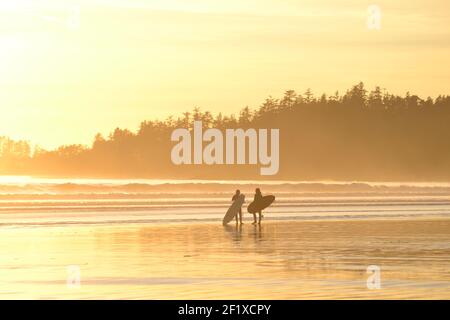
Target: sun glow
x: 110, y: 63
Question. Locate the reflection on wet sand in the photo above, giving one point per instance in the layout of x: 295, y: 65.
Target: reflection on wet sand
x: 290, y: 259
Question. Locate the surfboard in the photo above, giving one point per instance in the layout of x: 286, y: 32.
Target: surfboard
x: 256, y: 206
x: 233, y: 209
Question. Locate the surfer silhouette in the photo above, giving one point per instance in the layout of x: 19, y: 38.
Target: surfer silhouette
x: 235, y: 196
x: 257, y: 199
x: 259, y: 204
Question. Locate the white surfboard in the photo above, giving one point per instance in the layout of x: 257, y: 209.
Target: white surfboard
x: 233, y: 209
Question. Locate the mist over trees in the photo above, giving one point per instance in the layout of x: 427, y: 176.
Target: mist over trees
x: 360, y: 135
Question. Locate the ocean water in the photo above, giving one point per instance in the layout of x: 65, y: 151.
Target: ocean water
x: 149, y: 239
x: 28, y: 201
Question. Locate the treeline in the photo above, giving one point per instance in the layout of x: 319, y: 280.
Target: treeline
x: 360, y: 135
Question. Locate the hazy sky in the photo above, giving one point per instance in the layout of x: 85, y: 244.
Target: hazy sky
x: 62, y: 79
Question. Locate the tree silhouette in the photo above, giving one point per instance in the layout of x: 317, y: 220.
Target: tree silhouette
x: 361, y: 135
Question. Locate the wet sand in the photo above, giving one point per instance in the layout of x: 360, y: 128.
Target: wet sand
x: 278, y: 260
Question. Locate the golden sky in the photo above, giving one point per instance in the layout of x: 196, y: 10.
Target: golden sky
x: 69, y: 69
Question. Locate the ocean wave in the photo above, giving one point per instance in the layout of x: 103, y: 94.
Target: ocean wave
x: 122, y: 188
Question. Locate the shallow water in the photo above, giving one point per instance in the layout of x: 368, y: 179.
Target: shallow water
x: 164, y: 240
x: 292, y: 260
x: 33, y: 210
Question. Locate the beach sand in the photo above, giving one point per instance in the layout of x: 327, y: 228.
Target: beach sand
x: 277, y: 260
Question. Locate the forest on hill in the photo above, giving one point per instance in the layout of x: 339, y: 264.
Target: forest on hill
x: 360, y: 135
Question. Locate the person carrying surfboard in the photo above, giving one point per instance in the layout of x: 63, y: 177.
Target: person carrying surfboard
x: 235, y: 196
x: 259, y: 204
x: 258, y: 198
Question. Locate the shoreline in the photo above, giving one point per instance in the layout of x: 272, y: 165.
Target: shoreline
x: 218, y: 222
x: 276, y: 260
